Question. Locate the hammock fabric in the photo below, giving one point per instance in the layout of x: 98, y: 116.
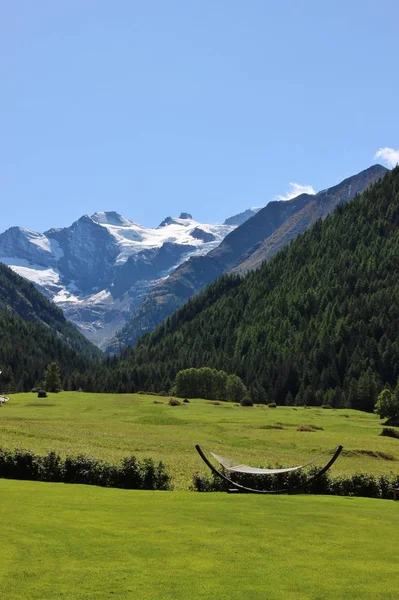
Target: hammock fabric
x: 239, y: 468
x: 230, y: 465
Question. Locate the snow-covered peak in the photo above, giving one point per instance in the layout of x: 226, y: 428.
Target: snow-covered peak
x: 41, y: 241
x: 111, y: 218
x: 28, y: 244
x: 132, y: 238
x: 184, y: 220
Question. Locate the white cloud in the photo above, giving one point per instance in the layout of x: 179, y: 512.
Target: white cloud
x: 390, y: 156
x: 296, y: 190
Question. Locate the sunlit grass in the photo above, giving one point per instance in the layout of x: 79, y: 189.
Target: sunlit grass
x: 110, y: 426
x: 76, y: 542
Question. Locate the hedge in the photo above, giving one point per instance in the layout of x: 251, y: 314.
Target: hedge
x: 129, y: 474
x: 358, y: 484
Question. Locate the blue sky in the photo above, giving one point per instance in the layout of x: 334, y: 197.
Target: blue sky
x: 210, y: 106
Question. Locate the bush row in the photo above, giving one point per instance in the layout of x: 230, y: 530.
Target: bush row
x: 129, y: 474
x: 358, y: 484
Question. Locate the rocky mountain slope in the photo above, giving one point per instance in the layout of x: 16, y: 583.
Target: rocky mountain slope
x: 257, y: 239
x: 101, y: 268
x: 243, y: 216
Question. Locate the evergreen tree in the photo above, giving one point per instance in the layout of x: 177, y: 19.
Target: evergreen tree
x: 52, y: 378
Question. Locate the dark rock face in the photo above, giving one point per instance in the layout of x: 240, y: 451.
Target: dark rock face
x: 242, y: 249
x: 166, y: 221
x: 200, y: 234
x: 89, y: 252
x: 185, y: 215
x: 148, y: 265
x: 242, y: 217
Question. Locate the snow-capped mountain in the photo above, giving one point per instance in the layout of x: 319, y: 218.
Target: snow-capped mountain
x: 100, y: 268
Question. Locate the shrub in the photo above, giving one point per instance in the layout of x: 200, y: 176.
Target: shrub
x: 41, y: 394
x: 326, y: 406
x: 186, y: 401
x: 51, y: 467
x: 389, y: 432
x: 272, y: 405
x: 246, y: 401
x: 207, y: 483
x: 174, y: 402
x: 162, y: 393
x: 19, y: 464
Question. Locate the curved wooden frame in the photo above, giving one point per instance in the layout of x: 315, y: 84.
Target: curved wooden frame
x: 244, y: 489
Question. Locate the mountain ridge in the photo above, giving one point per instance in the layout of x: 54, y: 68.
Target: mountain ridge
x: 237, y: 247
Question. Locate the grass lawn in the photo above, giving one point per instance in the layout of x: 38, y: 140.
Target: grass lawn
x: 111, y: 426
x: 77, y: 542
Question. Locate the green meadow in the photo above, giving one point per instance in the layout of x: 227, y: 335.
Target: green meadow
x: 77, y: 542
x: 111, y: 426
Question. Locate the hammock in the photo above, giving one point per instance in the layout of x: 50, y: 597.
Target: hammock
x: 230, y: 465
x: 240, y: 468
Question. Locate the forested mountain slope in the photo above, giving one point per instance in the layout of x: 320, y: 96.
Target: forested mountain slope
x: 33, y: 333
x: 319, y: 322
x: 260, y: 237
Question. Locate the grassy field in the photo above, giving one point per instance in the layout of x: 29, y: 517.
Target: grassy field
x: 111, y: 426
x: 81, y: 543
